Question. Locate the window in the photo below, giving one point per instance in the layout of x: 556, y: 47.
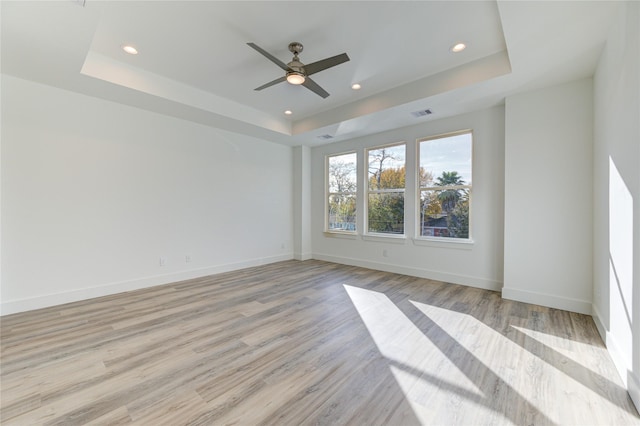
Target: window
x: 341, y: 192
x: 385, y: 189
x: 445, y: 185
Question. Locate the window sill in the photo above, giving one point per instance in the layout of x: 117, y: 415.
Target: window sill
x: 341, y: 234
x: 391, y: 238
x: 444, y: 243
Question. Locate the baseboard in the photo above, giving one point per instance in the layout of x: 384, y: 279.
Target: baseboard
x: 633, y: 387
x: 630, y: 379
x: 38, y: 302
x: 414, y: 272
x: 612, y: 346
x: 597, y: 319
x: 548, y: 300
x: 303, y: 256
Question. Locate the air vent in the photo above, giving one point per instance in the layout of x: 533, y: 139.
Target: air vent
x: 325, y: 137
x: 421, y: 113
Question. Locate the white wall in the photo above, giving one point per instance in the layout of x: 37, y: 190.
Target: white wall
x: 616, y: 205
x: 302, y: 203
x: 548, y: 197
x: 478, y: 265
x: 94, y: 193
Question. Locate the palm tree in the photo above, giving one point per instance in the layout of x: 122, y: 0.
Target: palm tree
x: 449, y: 197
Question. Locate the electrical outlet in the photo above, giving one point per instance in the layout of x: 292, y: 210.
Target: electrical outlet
x: 385, y: 253
x: 187, y: 258
x: 163, y: 261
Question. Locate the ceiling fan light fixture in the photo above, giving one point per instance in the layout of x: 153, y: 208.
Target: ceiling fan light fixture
x: 295, y: 78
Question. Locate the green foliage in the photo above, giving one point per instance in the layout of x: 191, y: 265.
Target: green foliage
x: 430, y: 204
x: 342, y: 212
x: 449, y: 197
x: 449, y: 179
x: 386, y: 210
x: 458, y: 220
x: 445, y: 212
x: 386, y: 213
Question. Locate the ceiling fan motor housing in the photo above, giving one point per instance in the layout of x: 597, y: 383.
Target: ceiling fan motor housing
x: 296, y: 66
x: 296, y: 74
x: 295, y: 47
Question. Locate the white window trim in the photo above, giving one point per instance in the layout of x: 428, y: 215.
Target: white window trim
x: 440, y: 242
x: 347, y: 235
x: 385, y: 238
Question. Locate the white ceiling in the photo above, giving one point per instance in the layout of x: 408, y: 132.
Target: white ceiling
x: 194, y: 62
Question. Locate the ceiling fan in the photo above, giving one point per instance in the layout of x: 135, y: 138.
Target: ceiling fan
x: 298, y: 73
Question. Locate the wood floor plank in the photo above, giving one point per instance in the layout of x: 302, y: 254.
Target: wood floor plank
x: 307, y: 343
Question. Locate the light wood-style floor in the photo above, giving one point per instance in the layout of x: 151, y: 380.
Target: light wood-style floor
x: 307, y: 343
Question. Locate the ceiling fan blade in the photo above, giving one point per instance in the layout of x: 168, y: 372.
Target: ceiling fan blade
x: 271, y: 83
x: 315, y: 88
x: 326, y: 63
x: 269, y: 56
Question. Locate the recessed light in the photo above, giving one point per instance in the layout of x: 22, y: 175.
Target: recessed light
x: 459, y: 47
x: 130, y: 50
x: 288, y: 112
x: 356, y: 86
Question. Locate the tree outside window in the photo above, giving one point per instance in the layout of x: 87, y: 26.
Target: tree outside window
x: 341, y: 192
x: 445, y: 185
x: 385, y: 189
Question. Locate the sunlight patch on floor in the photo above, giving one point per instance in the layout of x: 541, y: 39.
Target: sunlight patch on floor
x: 418, y: 365
x: 565, y: 346
x: 536, y: 356
x: 451, y: 366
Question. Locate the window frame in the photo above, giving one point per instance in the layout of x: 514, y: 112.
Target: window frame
x: 430, y: 240
x: 328, y: 194
x: 366, y: 234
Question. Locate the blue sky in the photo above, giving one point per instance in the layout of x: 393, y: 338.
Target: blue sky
x: 447, y: 155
